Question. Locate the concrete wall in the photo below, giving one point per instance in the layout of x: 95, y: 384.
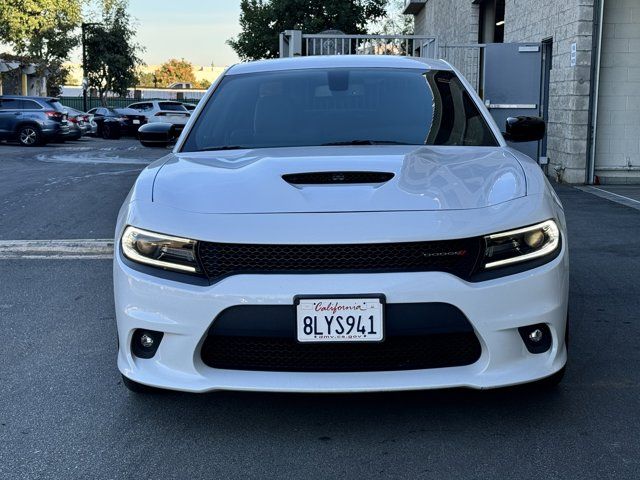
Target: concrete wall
x: 618, y: 133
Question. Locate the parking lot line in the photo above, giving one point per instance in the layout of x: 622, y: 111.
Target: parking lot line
x: 614, y: 197
x: 56, y: 249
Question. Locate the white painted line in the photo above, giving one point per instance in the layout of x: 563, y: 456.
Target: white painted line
x: 613, y: 197
x: 617, y: 195
x: 56, y: 249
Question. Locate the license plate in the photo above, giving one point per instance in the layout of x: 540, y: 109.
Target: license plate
x: 340, y: 320
x: 136, y: 122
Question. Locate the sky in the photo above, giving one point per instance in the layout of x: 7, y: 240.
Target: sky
x: 195, y: 30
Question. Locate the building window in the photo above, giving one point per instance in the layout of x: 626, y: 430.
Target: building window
x: 491, y: 21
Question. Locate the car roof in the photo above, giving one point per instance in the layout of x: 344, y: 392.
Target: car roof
x: 23, y: 97
x: 29, y: 97
x: 338, y: 61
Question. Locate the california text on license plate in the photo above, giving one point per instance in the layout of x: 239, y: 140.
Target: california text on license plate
x: 340, y: 319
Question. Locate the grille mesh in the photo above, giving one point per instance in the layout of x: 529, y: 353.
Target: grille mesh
x: 395, y: 353
x: 454, y: 256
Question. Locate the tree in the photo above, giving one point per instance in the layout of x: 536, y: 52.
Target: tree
x: 44, y: 30
x: 112, y: 55
x: 204, y: 84
x: 395, y: 22
x: 147, y: 79
x: 263, y: 20
x: 174, y: 71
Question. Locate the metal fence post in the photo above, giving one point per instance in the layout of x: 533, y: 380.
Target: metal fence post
x: 291, y: 43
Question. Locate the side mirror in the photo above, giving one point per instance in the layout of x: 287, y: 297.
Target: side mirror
x: 159, y: 135
x: 524, y: 129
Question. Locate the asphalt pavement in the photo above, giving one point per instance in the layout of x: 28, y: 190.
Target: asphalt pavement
x: 64, y: 413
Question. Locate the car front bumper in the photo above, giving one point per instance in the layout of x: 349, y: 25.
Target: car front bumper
x: 495, y: 309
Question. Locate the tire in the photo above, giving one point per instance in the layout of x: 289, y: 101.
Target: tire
x: 106, y: 132
x: 139, y: 388
x: 30, y: 136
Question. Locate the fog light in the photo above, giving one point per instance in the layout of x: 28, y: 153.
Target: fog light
x: 537, y: 338
x: 534, y: 336
x: 145, y: 343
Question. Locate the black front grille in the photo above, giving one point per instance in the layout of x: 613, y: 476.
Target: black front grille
x: 458, y: 257
x: 287, y: 355
x: 418, y: 336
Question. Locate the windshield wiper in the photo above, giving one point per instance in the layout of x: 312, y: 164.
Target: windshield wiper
x: 223, y: 147
x: 364, y: 142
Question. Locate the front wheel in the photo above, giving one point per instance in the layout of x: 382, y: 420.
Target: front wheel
x: 30, y: 136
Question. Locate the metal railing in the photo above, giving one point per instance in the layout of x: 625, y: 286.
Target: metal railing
x: 115, y: 102
x: 295, y: 43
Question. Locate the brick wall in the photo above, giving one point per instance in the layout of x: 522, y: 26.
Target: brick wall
x: 452, y: 23
x: 618, y: 134
x: 566, y: 22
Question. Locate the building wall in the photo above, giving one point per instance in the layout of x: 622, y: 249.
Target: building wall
x: 618, y: 133
x: 452, y: 23
x: 566, y: 22
x: 449, y: 21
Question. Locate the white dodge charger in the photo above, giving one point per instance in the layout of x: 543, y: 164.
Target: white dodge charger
x: 341, y: 224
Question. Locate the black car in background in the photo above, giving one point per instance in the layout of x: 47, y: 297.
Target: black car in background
x: 115, y: 122
x: 32, y: 121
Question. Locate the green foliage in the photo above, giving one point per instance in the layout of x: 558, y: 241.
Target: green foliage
x: 174, y: 71
x: 263, y: 20
x: 395, y: 22
x: 146, y: 79
x: 21, y: 20
x: 43, y: 30
x: 204, y: 84
x: 112, y: 54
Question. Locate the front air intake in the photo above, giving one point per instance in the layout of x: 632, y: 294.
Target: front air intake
x: 326, y: 178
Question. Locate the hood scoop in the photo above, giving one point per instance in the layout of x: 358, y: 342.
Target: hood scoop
x: 332, y: 178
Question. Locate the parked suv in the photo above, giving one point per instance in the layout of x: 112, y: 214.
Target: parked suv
x: 153, y: 107
x: 158, y: 111
x: 32, y: 120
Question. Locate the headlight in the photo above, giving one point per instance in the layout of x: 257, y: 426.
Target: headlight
x: 158, y: 250
x: 521, y: 245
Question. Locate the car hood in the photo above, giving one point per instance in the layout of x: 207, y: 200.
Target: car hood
x: 425, y: 178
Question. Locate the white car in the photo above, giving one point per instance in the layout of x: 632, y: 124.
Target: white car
x: 163, y: 111
x: 342, y: 224
x: 152, y: 107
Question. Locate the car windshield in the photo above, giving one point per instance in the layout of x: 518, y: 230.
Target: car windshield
x: 172, y: 107
x: 357, y: 106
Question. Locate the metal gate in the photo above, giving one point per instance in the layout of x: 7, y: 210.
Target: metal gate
x: 295, y: 43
